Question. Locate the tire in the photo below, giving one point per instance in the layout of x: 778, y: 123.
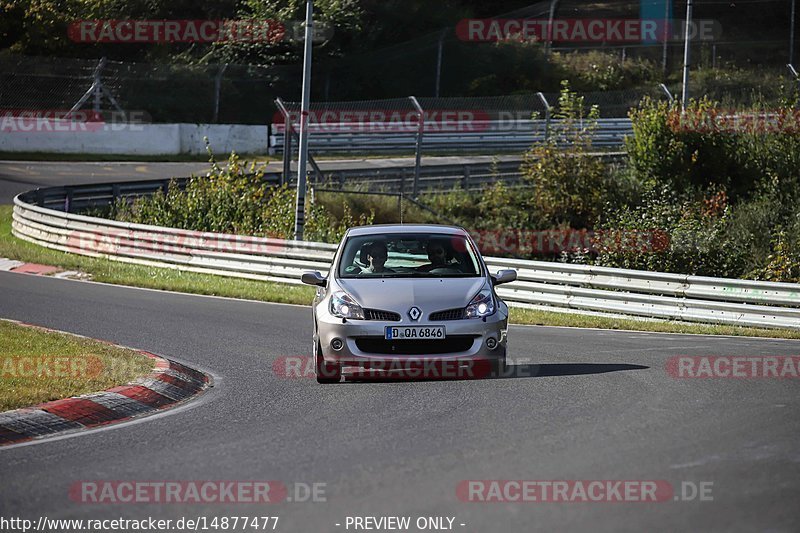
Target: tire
x: 326, y: 372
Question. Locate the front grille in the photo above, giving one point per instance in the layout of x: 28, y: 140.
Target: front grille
x: 379, y: 345
x: 448, y: 314
x: 377, y: 314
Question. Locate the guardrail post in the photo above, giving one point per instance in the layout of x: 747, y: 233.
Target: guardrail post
x: 341, y: 180
x: 403, y: 181
x: 420, y: 131
x: 114, y: 193
x: 465, y: 179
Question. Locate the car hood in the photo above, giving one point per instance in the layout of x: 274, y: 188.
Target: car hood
x: 400, y: 294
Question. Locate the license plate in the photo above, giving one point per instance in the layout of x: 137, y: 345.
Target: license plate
x: 415, y: 332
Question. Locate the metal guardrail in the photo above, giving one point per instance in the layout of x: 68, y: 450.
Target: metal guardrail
x: 516, y: 135
x: 575, y: 287
x: 468, y: 176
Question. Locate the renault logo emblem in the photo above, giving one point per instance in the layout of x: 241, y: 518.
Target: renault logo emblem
x: 414, y: 313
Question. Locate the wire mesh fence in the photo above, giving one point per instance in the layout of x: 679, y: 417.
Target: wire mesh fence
x: 245, y: 94
x: 239, y: 94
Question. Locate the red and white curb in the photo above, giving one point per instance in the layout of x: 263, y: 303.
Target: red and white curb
x: 169, y: 383
x: 11, y: 265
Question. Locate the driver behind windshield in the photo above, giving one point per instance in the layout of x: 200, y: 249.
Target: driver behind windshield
x: 376, y: 259
x: 437, y: 255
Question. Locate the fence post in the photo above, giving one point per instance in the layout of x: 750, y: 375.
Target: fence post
x: 287, y: 141
x: 795, y: 74
x: 287, y: 150
x: 420, y: 131
x: 666, y: 91
x: 400, y: 206
x: 546, y: 105
x: 98, y: 87
x: 217, y: 90
x: 713, y: 56
x: 97, y: 90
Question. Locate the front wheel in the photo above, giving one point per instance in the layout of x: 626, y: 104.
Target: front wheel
x: 326, y: 372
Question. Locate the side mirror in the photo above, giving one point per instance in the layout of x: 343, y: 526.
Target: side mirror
x: 504, y: 276
x: 313, y: 278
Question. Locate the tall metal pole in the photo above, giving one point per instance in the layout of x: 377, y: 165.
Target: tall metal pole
x: 551, y: 15
x: 686, y: 50
x: 791, y: 36
x: 300, y: 212
x: 420, y: 132
x: 667, y: 26
x: 439, y: 62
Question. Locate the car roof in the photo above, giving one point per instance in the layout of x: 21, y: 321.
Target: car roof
x: 383, y: 229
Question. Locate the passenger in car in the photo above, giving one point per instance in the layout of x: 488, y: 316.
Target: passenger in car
x: 376, y: 257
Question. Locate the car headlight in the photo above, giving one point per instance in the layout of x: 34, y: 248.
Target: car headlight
x: 344, y: 306
x: 482, y: 305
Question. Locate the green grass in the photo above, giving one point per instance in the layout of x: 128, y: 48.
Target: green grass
x: 167, y: 279
x: 550, y: 318
x: 38, y: 366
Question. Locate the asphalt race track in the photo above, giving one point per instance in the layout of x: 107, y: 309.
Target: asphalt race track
x: 19, y: 176
x: 599, y: 406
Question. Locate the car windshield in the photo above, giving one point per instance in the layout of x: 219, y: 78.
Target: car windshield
x: 408, y: 255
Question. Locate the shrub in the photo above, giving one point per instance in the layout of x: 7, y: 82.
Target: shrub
x: 236, y: 199
x: 570, y: 186
x: 603, y: 71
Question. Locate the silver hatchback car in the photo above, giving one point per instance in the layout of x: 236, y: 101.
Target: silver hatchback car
x: 403, y: 297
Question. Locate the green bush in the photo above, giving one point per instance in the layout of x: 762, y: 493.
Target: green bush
x: 570, y: 187
x: 236, y: 199
x: 603, y: 71
x: 726, y: 196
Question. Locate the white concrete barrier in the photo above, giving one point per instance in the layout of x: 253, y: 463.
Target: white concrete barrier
x: 64, y: 137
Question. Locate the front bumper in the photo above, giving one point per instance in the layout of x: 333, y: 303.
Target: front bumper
x: 361, y: 340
